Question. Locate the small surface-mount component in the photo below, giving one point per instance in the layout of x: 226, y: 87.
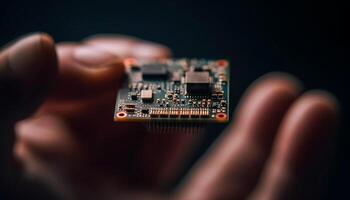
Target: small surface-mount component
x: 133, y: 95
x: 129, y: 107
x: 145, y: 110
x: 176, y: 77
x: 146, y: 95
x: 174, y: 90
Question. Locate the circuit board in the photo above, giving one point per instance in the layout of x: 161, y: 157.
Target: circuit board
x: 183, y: 90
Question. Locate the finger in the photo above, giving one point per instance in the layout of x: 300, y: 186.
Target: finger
x: 49, y: 136
x: 27, y: 70
x: 86, y: 71
x: 90, y: 125
x: 126, y: 46
x: 231, y: 169
x: 48, y: 151
x: 172, y: 151
x: 35, y: 168
x: 302, y: 152
x: 160, y: 168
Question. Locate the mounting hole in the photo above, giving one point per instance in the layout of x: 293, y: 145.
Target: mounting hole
x: 121, y: 114
x: 221, y: 116
x: 222, y: 63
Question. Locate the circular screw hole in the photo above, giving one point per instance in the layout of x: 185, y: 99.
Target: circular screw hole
x: 221, y: 115
x: 222, y: 63
x: 121, y: 114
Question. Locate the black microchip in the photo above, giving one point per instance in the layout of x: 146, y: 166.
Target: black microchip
x: 197, y: 82
x: 198, y: 69
x: 154, y: 71
x: 144, y: 111
x: 133, y: 95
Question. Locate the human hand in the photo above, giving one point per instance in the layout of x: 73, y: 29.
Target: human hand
x: 269, y: 152
x: 73, y: 136
x: 27, y: 71
x: 279, y: 146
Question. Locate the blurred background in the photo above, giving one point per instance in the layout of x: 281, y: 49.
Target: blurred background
x: 303, y: 38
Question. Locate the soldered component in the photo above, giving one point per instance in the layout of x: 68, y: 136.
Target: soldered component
x: 133, y: 95
x: 130, y: 108
x: 130, y: 105
x: 197, y: 82
x: 176, y: 78
x: 154, y: 70
x: 180, y: 112
x: 146, y: 95
x: 145, y: 110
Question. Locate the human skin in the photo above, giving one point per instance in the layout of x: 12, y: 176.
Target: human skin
x: 279, y: 145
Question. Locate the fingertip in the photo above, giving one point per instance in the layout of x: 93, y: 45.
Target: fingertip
x: 50, y: 59
x: 148, y: 50
x: 33, y: 56
x: 87, y: 66
x: 19, y: 150
x: 280, y: 79
x: 324, y: 99
x: 48, y: 46
x: 36, y: 131
x: 318, y: 102
x: 273, y: 93
x: 108, y: 37
x: 28, y: 68
x: 319, y: 107
x: 271, y: 85
x: 33, y: 62
x: 311, y: 122
x: 91, y: 56
x: 47, y: 42
x: 47, y: 135
x: 119, y: 45
x: 128, y: 46
x: 303, y: 148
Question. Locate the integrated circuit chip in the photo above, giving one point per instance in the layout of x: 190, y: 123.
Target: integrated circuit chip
x: 181, y: 90
x: 154, y: 71
x: 133, y: 95
x: 197, y: 82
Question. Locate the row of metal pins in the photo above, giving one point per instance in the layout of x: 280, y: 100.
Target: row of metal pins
x: 171, y: 127
x: 180, y: 111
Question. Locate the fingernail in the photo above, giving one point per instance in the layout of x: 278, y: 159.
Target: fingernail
x: 92, y: 56
x: 150, y: 50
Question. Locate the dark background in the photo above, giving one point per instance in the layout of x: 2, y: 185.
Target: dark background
x: 304, y: 38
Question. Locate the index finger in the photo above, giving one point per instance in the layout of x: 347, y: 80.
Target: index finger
x: 128, y: 46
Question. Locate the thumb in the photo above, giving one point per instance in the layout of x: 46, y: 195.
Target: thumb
x: 28, y: 68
